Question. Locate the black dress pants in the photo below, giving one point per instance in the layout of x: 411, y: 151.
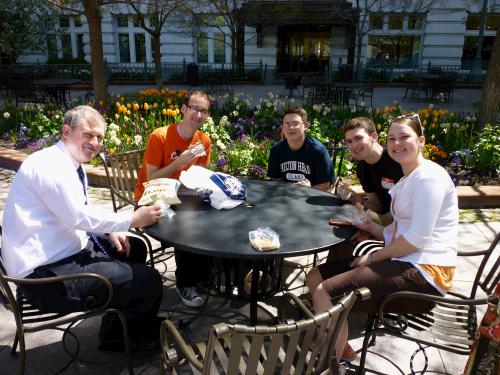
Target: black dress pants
x: 137, y: 288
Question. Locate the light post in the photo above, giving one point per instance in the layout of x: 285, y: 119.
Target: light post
x: 476, y: 70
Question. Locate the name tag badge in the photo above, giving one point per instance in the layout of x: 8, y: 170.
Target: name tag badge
x: 387, y: 183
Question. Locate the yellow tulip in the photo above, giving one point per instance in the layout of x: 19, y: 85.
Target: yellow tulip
x: 146, y: 106
x: 424, y: 123
x: 117, y: 104
x: 136, y: 107
x: 164, y: 112
x: 128, y: 106
x: 117, y: 116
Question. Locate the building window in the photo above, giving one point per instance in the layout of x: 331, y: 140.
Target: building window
x: 63, y: 21
x: 405, y: 49
x: 79, y: 46
x: 124, y: 47
x: 202, y: 48
x: 395, y: 21
x: 415, y: 21
x: 491, y: 23
x: 376, y: 21
x: 219, y: 49
x: 133, y: 43
x: 471, y: 40
x: 52, y: 46
x: 140, y: 47
x: 67, y: 51
x: 122, y: 21
x: 67, y: 40
x: 211, y: 40
x: 395, y: 37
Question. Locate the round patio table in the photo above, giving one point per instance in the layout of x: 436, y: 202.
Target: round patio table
x: 297, y: 213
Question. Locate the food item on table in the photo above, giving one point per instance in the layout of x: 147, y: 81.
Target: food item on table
x: 359, y: 215
x: 264, y: 239
x: 160, y: 189
x: 198, y: 149
x: 344, y: 190
x: 340, y: 223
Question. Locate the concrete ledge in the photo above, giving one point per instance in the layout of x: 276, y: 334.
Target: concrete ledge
x: 468, y: 196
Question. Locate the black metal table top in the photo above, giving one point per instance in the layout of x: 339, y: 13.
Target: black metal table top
x: 298, y: 214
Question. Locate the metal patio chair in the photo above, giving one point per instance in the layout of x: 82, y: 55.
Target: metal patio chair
x: 122, y: 172
x: 30, y: 319
x: 451, y: 324
x: 288, y: 348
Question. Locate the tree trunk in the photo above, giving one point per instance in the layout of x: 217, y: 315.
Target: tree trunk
x: 490, y: 97
x: 156, y: 47
x: 92, y: 12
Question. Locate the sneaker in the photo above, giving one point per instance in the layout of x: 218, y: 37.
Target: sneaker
x: 348, y: 354
x: 190, y: 297
x: 344, y: 369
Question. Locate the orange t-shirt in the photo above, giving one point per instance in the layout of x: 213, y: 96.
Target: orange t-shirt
x: 164, y: 146
x: 442, y: 275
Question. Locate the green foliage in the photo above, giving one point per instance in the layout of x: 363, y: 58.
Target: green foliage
x: 486, y: 150
x: 242, y: 134
x: 24, y: 25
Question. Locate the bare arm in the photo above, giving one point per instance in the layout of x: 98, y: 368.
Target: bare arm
x: 397, y: 248
x: 325, y: 186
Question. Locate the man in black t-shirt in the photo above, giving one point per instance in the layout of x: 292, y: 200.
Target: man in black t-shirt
x: 300, y: 158
x: 376, y: 171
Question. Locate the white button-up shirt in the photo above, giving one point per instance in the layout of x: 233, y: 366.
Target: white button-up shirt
x: 45, y: 217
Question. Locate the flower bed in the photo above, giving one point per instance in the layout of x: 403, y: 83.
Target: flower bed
x: 242, y: 133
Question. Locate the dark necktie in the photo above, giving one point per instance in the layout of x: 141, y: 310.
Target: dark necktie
x: 93, y: 237
x: 81, y: 175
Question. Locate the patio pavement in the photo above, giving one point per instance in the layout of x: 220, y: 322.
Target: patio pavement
x: 45, y: 354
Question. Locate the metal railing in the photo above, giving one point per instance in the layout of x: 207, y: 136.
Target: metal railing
x: 373, y: 71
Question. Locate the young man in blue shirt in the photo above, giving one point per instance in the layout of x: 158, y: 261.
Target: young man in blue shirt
x: 300, y: 158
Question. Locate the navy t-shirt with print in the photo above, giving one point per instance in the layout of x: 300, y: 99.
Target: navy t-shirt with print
x: 378, y: 178
x: 311, y: 162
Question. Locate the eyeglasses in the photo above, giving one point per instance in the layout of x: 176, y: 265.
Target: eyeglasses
x: 412, y: 116
x: 290, y: 125
x: 201, y: 111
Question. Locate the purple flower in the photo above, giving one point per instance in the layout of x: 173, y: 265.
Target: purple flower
x: 222, y: 161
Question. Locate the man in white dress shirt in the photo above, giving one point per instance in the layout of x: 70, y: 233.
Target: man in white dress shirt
x: 50, y: 229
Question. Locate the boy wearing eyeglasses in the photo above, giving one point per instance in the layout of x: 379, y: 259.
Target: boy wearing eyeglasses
x: 300, y: 158
x: 170, y: 150
x: 376, y: 170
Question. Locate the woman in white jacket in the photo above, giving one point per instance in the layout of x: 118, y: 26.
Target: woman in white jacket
x: 420, y: 246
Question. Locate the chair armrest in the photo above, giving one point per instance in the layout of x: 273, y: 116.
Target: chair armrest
x: 425, y: 297
x: 55, y: 279
x: 170, y: 354
x: 303, y: 308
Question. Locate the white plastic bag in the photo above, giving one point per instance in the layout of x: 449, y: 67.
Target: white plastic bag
x: 264, y: 239
x: 221, y: 190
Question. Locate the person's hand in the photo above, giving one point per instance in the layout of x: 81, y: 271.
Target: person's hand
x: 120, y: 242
x: 189, y: 155
x: 145, y: 216
x: 304, y: 182
x: 363, y: 260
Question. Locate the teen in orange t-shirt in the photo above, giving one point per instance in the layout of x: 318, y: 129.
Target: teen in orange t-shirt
x: 165, y: 145
x: 167, y: 154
